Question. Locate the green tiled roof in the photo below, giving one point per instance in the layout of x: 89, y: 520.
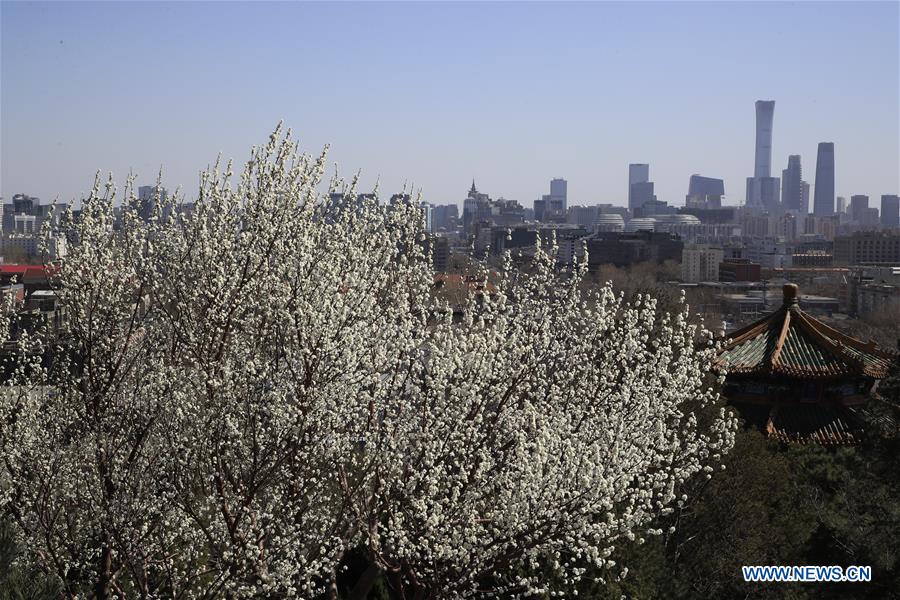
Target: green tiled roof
x: 792, y: 344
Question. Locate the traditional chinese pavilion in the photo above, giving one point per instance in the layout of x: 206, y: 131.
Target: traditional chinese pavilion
x: 798, y: 379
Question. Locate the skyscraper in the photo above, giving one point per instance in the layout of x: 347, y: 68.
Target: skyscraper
x: 638, y: 173
x: 792, y: 186
x: 704, y: 192
x: 765, y: 115
x: 823, y: 195
x: 148, y: 196
x: 858, y: 206
x: 841, y: 205
x: 890, y: 210
x: 558, y: 191
x: 558, y: 200
x: 763, y: 189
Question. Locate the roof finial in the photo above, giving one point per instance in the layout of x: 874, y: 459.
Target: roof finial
x: 791, y: 294
x: 473, y: 190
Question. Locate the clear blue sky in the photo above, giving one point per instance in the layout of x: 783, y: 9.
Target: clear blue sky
x: 434, y: 94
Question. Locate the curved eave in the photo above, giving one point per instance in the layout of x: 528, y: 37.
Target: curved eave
x: 790, y: 372
x: 821, y: 351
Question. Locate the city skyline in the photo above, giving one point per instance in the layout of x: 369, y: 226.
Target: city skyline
x: 493, y: 104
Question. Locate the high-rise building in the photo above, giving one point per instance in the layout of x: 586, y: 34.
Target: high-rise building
x: 147, y: 195
x: 823, y: 200
x: 805, y: 188
x: 445, y: 216
x: 868, y: 218
x: 641, y: 193
x: 552, y: 206
x: 764, y: 193
x: 427, y: 214
x: 700, y: 263
x: 473, y: 207
x: 704, y: 192
x: 765, y: 116
x: 763, y: 190
x: 858, y: 205
x: 558, y: 192
x: 637, y: 173
x: 841, y: 205
x: 890, y: 210
x: 792, y: 186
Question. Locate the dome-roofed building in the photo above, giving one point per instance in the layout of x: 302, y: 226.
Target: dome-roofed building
x: 799, y: 380
x: 609, y: 222
x: 641, y: 224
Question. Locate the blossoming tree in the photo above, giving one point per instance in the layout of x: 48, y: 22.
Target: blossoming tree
x: 243, y: 393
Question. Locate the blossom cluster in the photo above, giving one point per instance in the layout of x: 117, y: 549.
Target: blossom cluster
x: 245, y: 392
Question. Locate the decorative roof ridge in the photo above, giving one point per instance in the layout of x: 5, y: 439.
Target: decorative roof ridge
x: 753, y: 329
x: 779, y: 344
x: 869, y: 347
x: 834, y: 347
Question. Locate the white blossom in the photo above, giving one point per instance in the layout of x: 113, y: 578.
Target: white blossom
x: 255, y: 388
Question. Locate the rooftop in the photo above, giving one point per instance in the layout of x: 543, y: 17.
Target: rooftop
x: 792, y: 344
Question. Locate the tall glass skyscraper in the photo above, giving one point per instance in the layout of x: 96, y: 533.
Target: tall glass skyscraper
x: 792, y: 186
x: 638, y: 173
x: 890, y: 210
x: 765, y: 115
x: 763, y: 189
x: 823, y: 195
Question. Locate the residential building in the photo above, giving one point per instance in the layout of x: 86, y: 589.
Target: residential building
x: 700, y: 263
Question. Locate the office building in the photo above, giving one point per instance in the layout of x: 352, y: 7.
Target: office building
x: 763, y: 190
x: 626, y: 249
x: 867, y: 247
x: 638, y: 174
x: 474, y: 207
x: 148, y: 197
x: 890, y: 210
x: 581, y: 215
x: 841, y: 205
x: 764, y: 193
x: 765, y: 115
x: 551, y: 208
x: 445, y: 217
x: 792, y: 186
x: 823, y: 195
x: 704, y: 192
x: 641, y: 193
x: 858, y: 205
x: 559, y: 193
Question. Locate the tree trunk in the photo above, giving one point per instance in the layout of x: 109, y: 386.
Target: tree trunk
x: 104, y: 574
